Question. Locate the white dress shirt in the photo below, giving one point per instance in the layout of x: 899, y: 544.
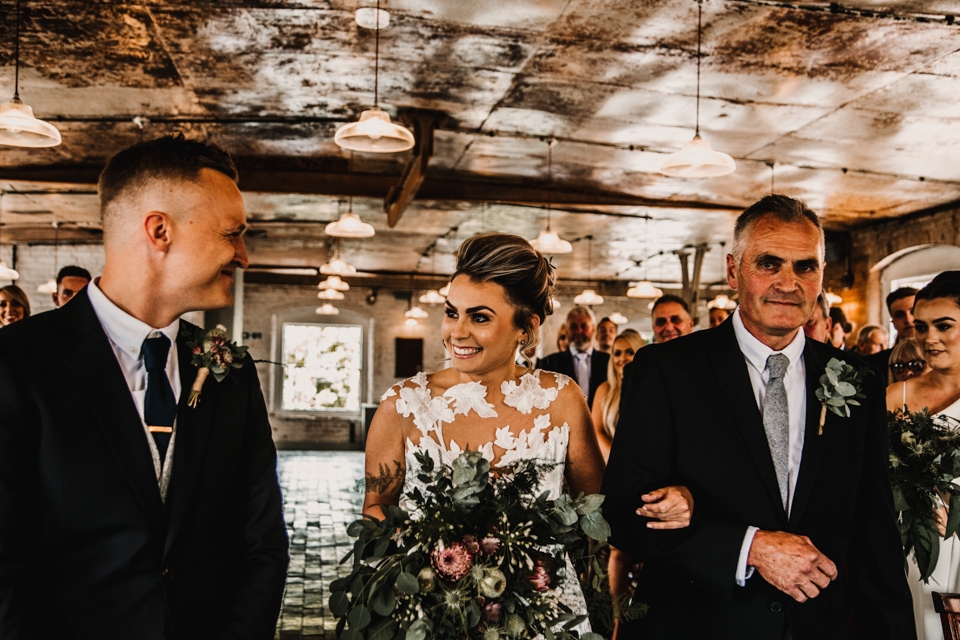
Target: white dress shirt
x: 795, y: 382
x: 581, y: 366
x: 126, y: 335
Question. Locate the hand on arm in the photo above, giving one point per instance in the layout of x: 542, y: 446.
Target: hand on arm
x: 670, y: 507
x: 791, y: 563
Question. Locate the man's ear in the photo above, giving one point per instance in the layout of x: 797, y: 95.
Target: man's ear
x: 53, y: 295
x: 731, y: 272
x: 156, y: 225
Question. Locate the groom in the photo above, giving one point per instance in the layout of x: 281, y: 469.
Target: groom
x: 793, y: 532
x: 124, y: 512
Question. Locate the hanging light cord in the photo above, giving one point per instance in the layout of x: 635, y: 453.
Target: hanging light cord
x: 56, y: 246
x: 376, y: 61
x: 16, y: 57
x: 699, y: 29
x: 550, y: 179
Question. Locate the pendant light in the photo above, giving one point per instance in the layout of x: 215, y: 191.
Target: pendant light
x: 374, y: 132
x: 18, y: 126
x: 432, y: 297
x: 415, y: 312
x: 549, y: 241
x: 6, y: 273
x: 50, y: 286
x: 335, y: 283
x: 337, y: 267
x: 589, y: 297
x: 722, y: 301
x: 697, y: 159
x: 330, y: 294
x: 833, y: 299
x: 644, y: 289
x: 327, y: 309
x: 445, y: 290
x: 349, y: 226
x: 618, y: 318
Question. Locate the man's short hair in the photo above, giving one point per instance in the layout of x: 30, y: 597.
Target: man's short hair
x: 73, y: 271
x: 606, y: 319
x: 900, y: 294
x: 784, y: 208
x: 167, y: 158
x: 669, y: 297
x: 582, y: 311
x: 824, y: 305
x: 840, y: 318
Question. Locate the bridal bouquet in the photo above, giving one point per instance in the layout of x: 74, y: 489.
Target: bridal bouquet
x: 484, y: 558
x: 924, y: 461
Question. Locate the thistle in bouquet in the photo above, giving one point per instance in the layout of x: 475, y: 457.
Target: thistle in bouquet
x: 924, y: 462
x: 213, y: 353
x: 480, y: 555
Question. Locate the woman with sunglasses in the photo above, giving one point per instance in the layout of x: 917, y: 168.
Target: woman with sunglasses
x: 906, y: 361
x: 937, y: 323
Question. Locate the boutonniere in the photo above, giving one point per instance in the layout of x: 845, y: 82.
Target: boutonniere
x: 840, y: 387
x: 213, y: 353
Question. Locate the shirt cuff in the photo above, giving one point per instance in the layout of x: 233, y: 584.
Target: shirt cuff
x: 743, y: 571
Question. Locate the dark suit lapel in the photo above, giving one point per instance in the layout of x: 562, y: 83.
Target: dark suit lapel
x: 97, y: 374
x: 193, y: 431
x: 731, y: 370
x: 813, y: 444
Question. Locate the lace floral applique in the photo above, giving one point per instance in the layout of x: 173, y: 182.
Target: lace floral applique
x: 470, y: 395
x: 392, y: 391
x: 528, y: 395
x: 427, y: 412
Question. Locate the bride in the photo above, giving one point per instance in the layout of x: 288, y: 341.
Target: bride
x: 500, y: 293
x: 937, y: 322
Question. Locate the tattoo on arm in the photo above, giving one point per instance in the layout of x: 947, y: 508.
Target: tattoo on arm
x: 389, y: 481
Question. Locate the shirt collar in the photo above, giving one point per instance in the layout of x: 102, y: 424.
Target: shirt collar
x: 757, y: 353
x: 574, y: 351
x: 125, y: 331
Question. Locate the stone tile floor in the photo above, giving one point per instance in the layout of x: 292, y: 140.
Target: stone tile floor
x: 321, y: 498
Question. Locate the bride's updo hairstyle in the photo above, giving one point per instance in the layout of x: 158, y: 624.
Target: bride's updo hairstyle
x: 945, y: 285
x: 527, y: 278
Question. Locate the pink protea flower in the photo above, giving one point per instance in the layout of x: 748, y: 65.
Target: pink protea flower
x: 540, y: 577
x: 491, y: 612
x: 451, y: 562
x: 489, y: 545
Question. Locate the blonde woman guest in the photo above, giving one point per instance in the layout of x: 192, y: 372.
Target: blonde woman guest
x: 906, y: 361
x: 606, y: 402
x: 14, y: 305
x: 563, y: 343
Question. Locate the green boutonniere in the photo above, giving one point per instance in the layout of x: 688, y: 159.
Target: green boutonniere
x: 840, y: 388
x: 213, y: 353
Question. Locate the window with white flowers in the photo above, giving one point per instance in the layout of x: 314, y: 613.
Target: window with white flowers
x: 322, y: 367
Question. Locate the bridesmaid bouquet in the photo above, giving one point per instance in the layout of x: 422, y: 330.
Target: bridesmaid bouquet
x: 484, y: 558
x: 924, y: 462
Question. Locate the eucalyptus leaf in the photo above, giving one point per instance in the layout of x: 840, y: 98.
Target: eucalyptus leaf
x: 953, y: 520
x: 359, y: 617
x: 384, y: 601
x: 589, y: 503
x: 418, y: 630
x: 350, y: 634
x: 407, y: 583
x: 594, y: 525
x: 382, y: 630
x: 339, y: 603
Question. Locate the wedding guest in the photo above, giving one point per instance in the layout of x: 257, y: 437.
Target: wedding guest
x: 900, y: 306
x: 840, y: 328
x: 126, y: 511
x: 14, y: 305
x: 936, y: 318
x: 871, y: 340
x: 606, y: 332
x: 671, y: 318
x: 586, y: 365
x: 606, y: 402
x: 499, y: 297
x: 907, y: 361
x: 70, y: 280
x: 717, y: 316
x: 562, y: 341
x: 777, y: 546
x: 819, y: 325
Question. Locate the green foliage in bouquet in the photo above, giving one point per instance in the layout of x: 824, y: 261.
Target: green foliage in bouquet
x: 924, y: 460
x: 483, y: 558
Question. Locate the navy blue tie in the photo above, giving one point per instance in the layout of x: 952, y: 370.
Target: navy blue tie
x: 159, y: 405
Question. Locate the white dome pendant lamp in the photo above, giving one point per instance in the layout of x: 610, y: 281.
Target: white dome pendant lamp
x: 18, y: 126
x: 374, y: 132
x: 697, y: 159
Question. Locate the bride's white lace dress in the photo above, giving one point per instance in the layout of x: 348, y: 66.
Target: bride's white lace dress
x: 537, y: 436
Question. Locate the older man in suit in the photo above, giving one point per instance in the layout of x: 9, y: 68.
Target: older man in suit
x: 586, y: 365
x: 793, y: 532
x: 125, y: 512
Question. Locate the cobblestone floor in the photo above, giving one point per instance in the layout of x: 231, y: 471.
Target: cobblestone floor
x: 320, y: 500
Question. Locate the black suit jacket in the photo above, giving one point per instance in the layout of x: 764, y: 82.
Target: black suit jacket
x: 87, y: 548
x: 689, y: 416
x: 562, y: 362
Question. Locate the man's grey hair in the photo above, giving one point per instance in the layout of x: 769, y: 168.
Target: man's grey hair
x: 783, y: 208
x: 824, y: 305
x: 582, y: 311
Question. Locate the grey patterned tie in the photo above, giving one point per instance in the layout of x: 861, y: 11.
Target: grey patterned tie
x: 776, y: 420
